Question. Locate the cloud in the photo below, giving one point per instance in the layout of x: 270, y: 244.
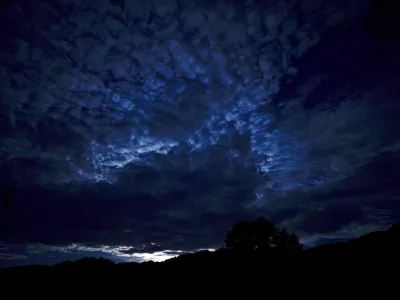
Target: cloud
x: 156, y: 256
x: 163, y: 136
x: 118, y: 253
x: 99, y: 100
x: 11, y: 256
x: 3, y: 247
x: 100, y: 215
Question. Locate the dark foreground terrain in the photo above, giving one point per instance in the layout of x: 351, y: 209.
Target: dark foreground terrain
x: 364, y: 267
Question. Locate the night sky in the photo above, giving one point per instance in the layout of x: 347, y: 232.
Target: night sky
x: 139, y: 130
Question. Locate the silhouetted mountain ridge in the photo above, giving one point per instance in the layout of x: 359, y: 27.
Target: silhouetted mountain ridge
x: 369, y: 258
x: 372, y: 243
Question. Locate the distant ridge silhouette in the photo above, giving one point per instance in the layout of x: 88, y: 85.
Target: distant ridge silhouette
x: 373, y: 243
x: 371, y: 258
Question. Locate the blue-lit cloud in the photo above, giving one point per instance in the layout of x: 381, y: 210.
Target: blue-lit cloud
x: 139, y: 123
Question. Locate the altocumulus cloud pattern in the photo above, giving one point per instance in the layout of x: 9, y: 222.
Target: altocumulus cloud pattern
x: 145, y: 126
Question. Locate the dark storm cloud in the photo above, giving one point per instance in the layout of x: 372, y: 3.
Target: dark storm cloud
x: 11, y: 256
x: 177, y: 213
x: 146, y: 250
x: 366, y: 201
x: 158, y: 125
x: 331, y: 218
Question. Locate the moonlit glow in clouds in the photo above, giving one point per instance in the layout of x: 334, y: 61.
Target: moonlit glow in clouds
x: 121, y: 252
x: 127, y: 123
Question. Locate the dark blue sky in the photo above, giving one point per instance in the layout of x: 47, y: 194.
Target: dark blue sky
x: 144, y: 129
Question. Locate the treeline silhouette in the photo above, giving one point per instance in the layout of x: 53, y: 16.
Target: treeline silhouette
x: 259, y: 259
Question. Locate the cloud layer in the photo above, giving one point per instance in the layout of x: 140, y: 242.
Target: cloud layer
x: 157, y: 124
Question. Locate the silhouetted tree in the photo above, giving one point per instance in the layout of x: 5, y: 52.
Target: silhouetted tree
x: 260, y: 235
x: 286, y: 241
